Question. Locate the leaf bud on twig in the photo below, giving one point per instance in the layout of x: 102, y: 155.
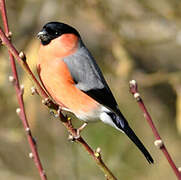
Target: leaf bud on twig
x: 10, y: 35
x: 71, y: 138
x: 33, y: 90
x: 137, y: 96
x: 97, y: 152
x: 159, y: 143
x: 27, y: 129
x: 22, y: 88
x: 22, y: 56
x: 11, y: 79
x: 133, y: 82
x: 18, y: 111
x: 46, y: 101
x: 31, y: 155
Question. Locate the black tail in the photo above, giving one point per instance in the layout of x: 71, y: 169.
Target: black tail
x: 123, y: 125
x: 130, y: 133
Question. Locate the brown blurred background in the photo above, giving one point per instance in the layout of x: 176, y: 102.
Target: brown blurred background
x: 130, y: 40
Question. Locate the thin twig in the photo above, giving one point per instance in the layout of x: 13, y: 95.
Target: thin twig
x: 19, y: 92
x: 158, y: 142
x: 21, y: 60
x: 96, y: 155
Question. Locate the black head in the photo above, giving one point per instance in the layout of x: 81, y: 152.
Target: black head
x: 53, y: 30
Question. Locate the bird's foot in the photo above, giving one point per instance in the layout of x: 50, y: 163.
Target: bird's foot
x: 56, y: 113
x: 78, y: 131
x: 59, y: 110
x: 81, y: 128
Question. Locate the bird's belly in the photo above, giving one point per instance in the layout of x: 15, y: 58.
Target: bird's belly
x: 58, y: 82
x: 89, y: 117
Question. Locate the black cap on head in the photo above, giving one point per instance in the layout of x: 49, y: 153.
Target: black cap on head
x: 53, y: 30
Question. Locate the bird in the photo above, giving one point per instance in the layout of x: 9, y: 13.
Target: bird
x: 72, y: 78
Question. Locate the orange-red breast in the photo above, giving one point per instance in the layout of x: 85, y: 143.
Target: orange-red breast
x: 73, y: 79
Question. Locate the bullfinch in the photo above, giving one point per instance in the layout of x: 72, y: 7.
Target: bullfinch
x: 74, y: 81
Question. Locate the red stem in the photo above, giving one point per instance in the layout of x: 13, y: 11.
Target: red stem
x: 19, y: 94
x: 134, y: 91
x: 24, y: 65
x: 149, y: 119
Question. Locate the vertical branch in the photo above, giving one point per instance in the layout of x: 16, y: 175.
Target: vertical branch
x: 158, y: 142
x: 19, y: 92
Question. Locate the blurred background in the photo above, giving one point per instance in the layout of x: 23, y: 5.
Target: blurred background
x: 130, y: 40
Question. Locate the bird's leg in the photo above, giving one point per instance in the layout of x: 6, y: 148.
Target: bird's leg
x: 59, y: 110
x: 73, y: 138
x: 55, y: 113
x: 80, y: 129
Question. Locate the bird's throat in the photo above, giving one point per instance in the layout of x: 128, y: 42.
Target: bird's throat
x: 60, y: 47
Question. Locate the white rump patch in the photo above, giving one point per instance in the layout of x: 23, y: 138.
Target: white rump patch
x: 106, y: 119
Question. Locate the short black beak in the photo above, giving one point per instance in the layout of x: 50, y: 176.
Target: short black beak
x: 42, y: 34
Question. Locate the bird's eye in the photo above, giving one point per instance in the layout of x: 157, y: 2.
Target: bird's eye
x: 56, y: 33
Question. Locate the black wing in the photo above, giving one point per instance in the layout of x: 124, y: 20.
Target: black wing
x: 103, y: 96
